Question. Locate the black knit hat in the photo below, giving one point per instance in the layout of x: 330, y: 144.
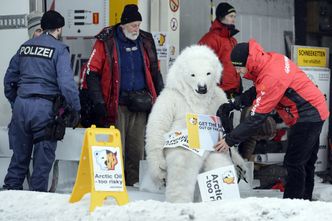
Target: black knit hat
x: 130, y: 14
x: 224, y: 9
x: 52, y: 20
x: 240, y: 54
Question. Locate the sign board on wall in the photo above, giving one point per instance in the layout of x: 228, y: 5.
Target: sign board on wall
x: 83, y: 17
x: 306, y: 56
x: 161, y: 42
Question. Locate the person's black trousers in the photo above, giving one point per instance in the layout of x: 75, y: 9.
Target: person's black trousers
x: 300, y: 158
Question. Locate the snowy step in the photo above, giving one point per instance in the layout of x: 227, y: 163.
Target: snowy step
x: 68, y: 153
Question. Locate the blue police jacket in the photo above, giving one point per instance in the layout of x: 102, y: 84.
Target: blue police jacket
x: 41, y: 66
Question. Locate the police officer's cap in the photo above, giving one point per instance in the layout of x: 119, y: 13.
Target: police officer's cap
x: 52, y: 20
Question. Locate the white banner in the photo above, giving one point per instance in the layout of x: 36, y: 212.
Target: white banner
x: 179, y: 138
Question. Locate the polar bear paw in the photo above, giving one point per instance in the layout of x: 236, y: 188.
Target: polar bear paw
x: 242, y: 173
x: 157, y: 172
x: 240, y: 165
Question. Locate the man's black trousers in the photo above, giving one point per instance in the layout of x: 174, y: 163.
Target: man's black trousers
x: 300, y: 158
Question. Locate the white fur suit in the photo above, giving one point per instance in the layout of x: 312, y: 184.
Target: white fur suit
x: 191, y: 87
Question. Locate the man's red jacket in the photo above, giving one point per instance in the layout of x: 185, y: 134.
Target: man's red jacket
x: 220, y: 40
x: 104, y: 62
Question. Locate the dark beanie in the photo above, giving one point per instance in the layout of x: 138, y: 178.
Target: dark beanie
x: 52, y: 20
x: 224, y: 9
x: 240, y: 54
x: 130, y: 14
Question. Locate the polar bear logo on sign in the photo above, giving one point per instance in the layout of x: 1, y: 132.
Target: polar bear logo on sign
x: 106, y: 159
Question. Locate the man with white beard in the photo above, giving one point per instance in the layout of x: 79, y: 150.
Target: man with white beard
x: 123, y: 80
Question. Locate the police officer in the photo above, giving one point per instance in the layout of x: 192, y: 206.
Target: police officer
x: 38, y: 72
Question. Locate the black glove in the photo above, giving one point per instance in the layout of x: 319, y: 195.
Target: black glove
x: 245, y: 99
x: 74, y: 119
x: 225, y: 109
x: 100, y: 110
x: 226, y: 117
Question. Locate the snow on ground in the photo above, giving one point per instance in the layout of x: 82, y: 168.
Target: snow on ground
x: 26, y: 205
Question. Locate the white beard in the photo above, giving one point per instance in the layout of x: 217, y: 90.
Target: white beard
x: 132, y: 36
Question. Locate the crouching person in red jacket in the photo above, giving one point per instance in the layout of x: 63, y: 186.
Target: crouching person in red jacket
x: 281, y: 85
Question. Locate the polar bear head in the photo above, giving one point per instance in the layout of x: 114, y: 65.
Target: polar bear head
x: 106, y: 159
x: 197, y: 69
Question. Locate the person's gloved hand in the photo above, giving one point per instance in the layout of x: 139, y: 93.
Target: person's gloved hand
x: 74, y: 119
x: 100, y: 110
x: 225, y: 109
x: 226, y: 117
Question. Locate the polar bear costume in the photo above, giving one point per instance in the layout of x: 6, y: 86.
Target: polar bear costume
x: 191, y: 87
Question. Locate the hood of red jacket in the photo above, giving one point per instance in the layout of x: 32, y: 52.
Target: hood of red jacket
x: 256, y: 61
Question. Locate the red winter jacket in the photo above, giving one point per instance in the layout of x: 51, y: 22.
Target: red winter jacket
x: 220, y: 40
x: 104, y: 62
x: 282, y: 86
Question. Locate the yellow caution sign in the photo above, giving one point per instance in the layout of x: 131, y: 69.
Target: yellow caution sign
x: 193, y: 130
x: 100, y: 171
x: 312, y: 56
x: 116, y: 8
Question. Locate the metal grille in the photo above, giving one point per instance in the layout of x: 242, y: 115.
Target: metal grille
x: 13, y: 21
